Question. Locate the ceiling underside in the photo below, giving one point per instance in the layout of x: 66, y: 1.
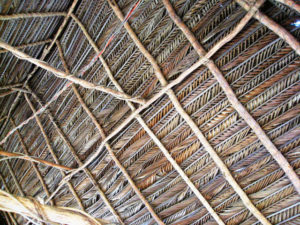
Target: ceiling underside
x: 261, y: 68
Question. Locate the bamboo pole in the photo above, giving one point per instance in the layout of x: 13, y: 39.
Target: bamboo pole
x: 44, y: 213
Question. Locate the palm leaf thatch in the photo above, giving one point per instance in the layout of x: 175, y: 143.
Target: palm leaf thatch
x: 150, y: 112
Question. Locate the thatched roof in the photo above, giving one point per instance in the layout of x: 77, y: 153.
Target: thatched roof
x: 145, y: 112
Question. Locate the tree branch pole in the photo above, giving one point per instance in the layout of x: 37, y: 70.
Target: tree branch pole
x: 31, y: 15
x: 28, y: 45
x: 33, y: 159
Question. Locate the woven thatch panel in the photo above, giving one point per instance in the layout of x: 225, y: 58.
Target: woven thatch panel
x: 261, y: 67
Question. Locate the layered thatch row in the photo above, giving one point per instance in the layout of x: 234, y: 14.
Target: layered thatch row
x: 162, y: 166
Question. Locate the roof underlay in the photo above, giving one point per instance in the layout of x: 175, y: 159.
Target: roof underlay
x: 151, y: 112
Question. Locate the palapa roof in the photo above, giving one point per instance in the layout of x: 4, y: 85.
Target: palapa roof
x: 152, y: 112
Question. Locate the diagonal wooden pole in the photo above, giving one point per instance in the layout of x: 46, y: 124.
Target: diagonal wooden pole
x: 31, y: 15
x: 273, y: 26
x: 28, y: 45
x: 70, y: 77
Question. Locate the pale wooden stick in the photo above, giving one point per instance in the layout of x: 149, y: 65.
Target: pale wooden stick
x: 41, y: 212
x: 7, y: 190
x: 273, y: 26
x: 290, y: 3
x: 28, y: 45
x: 31, y: 15
x: 52, y: 151
x: 22, y: 156
x: 32, y: 163
x: 9, y: 86
x: 7, y: 93
x: 69, y: 77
